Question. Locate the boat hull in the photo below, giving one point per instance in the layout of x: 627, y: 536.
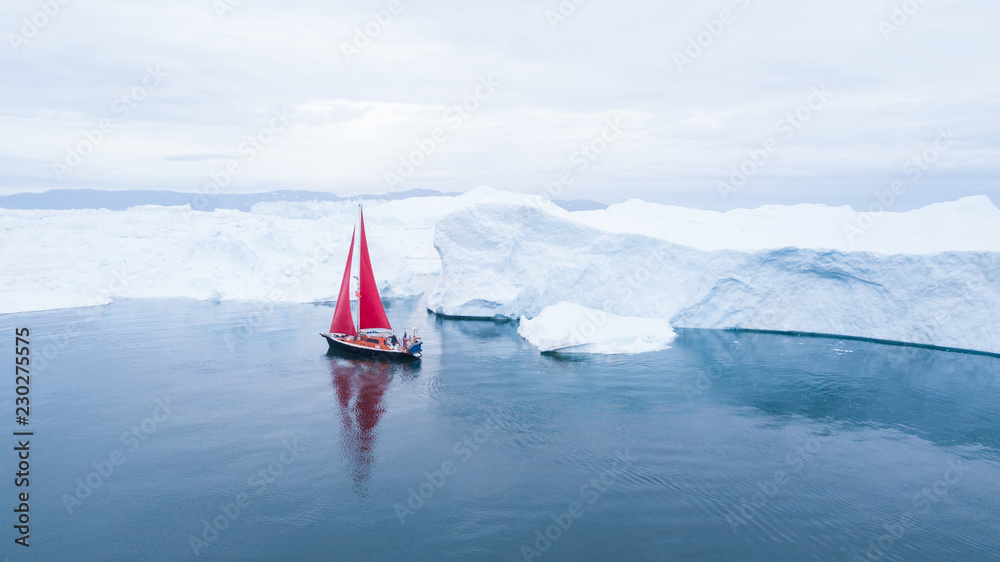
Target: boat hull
x: 343, y: 347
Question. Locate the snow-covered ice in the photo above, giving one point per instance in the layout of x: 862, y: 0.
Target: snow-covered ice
x: 571, y: 328
x: 969, y: 224
x: 507, y: 260
x: 928, y: 276
x: 280, y: 251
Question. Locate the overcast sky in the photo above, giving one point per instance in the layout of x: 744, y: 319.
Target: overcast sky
x: 682, y: 93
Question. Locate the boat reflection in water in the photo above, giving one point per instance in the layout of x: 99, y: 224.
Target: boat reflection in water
x: 360, y: 386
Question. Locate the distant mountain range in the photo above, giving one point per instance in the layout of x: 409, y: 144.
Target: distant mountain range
x: 62, y: 199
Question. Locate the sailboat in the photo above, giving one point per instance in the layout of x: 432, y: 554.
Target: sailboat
x: 372, y: 335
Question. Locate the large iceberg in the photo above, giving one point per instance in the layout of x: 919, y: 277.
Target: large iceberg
x: 508, y: 260
x: 279, y: 251
x: 929, y: 276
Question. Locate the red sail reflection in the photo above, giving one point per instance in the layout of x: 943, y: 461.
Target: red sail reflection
x: 360, y: 386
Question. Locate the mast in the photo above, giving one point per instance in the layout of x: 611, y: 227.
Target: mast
x: 371, y: 313
x: 357, y: 327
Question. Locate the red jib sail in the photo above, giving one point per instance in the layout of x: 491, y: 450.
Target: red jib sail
x: 343, y: 322
x: 370, y: 311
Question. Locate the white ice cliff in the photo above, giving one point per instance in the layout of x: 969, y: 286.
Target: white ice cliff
x: 928, y: 276
x: 504, y: 260
x: 280, y: 252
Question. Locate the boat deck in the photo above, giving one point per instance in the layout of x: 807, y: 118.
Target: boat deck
x: 375, y: 345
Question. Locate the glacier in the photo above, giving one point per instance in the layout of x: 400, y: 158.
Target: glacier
x: 927, y: 276
x: 510, y: 260
x: 277, y: 252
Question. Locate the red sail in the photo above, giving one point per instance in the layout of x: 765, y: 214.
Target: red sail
x: 343, y: 322
x: 370, y: 311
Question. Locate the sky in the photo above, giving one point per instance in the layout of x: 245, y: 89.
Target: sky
x: 716, y: 104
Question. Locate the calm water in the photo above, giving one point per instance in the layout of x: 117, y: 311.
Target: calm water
x: 234, y: 435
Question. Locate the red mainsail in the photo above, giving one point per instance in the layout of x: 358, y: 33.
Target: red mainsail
x: 343, y: 322
x: 370, y: 311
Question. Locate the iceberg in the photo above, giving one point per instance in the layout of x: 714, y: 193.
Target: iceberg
x: 277, y: 252
x: 969, y: 224
x: 88, y: 257
x: 509, y: 260
x: 571, y: 328
x: 930, y: 276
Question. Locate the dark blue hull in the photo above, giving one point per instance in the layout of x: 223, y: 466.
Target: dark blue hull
x: 349, y: 349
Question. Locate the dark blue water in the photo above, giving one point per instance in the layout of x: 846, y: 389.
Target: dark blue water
x: 179, y: 430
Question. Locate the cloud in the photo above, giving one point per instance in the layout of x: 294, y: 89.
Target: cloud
x: 752, y: 61
x: 193, y: 157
